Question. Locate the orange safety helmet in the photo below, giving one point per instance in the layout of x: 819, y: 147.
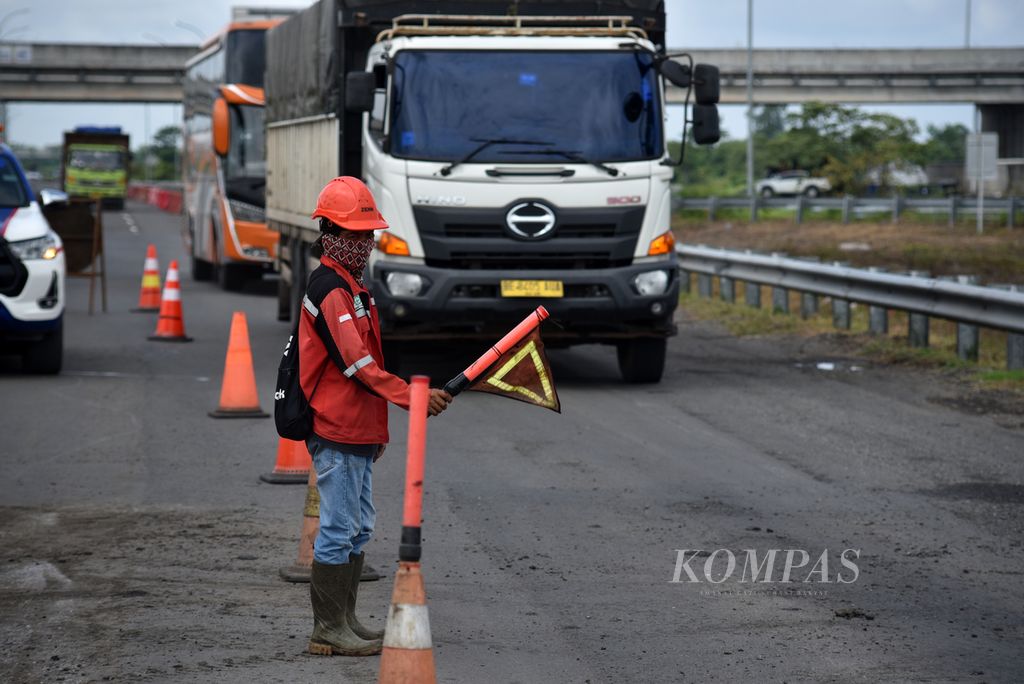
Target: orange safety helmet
x: 347, y: 202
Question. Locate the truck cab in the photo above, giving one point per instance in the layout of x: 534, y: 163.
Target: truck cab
x: 514, y: 169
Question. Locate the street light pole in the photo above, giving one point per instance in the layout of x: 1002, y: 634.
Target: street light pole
x: 967, y: 25
x: 750, y: 98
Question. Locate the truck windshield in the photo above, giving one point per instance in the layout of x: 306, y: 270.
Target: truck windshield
x: 601, y: 106
x: 245, y: 60
x: 245, y: 151
x: 93, y: 159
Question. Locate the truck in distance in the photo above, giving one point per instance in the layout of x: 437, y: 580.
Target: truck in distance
x: 95, y: 164
x: 517, y: 159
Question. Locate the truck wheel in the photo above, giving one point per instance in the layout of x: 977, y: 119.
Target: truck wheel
x: 232, y: 276
x: 767, y: 192
x: 642, y: 360
x: 45, y: 357
x: 284, y: 300
x: 812, y: 192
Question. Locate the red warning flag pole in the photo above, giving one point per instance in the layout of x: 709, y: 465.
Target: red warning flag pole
x: 466, y: 377
x: 409, y: 548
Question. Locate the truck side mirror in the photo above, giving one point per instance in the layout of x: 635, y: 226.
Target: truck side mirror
x: 706, y: 84
x: 705, y: 124
x: 677, y: 74
x: 221, y: 126
x: 359, y: 88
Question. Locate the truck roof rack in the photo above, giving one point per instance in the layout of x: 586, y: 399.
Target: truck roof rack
x: 477, y: 25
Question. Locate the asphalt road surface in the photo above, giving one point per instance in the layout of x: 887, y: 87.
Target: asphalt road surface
x: 139, y: 545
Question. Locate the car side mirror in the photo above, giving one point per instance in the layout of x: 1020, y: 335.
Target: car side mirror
x: 675, y: 73
x: 706, y: 84
x: 49, y: 196
x: 359, y: 91
x: 221, y: 127
x: 705, y: 124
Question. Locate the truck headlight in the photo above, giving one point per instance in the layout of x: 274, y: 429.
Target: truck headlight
x: 45, y: 247
x: 243, y: 211
x: 404, y: 284
x: 651, y: 282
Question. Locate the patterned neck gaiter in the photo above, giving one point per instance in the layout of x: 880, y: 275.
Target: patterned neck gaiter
x: 351, y: 253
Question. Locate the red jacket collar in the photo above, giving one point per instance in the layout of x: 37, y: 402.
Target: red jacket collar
x: 343, y: 272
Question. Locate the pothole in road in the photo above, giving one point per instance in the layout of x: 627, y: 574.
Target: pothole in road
x: 991, y: 492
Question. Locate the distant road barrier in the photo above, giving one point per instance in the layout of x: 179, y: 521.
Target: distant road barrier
x: 850, y: 206
x: 168, y: 199
x: 956, y: 299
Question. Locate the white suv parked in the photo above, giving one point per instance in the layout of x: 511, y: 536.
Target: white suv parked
x: 32, y: 273
x: 792, y: 183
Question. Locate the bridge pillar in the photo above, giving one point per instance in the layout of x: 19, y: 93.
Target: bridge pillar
x: 1008, y: 121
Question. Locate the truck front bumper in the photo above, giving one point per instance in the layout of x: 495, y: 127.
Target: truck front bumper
x: 599, y: 305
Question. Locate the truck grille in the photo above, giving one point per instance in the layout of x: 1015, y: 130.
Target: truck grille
x: 478, y: 239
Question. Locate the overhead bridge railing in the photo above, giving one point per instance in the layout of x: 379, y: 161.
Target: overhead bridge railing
x: 969, y: 305
x: 850, y: 207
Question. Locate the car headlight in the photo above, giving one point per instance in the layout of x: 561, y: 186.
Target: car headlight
x: 45, y: 247
x: 651, y: 282
x: 243, y: 211
x: 404, y: 284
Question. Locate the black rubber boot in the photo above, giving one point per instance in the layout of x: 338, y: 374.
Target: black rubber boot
x: 353, y: 594
x: 328, y: 592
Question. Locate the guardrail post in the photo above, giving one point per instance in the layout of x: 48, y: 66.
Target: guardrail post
x: 780, y: 299
x: 808, y: 304
x: 712, y: 208
x: 1010, y: 211
x: 918, y: 323
x: 896, y: 208
x: 799, y: 209
x: 878, y: 316
x: 727, y: 289
x: 967, y: 336
x: 684, y: 281
x: 753, y: 208
x: 752, y: 295
x: 952, y: 214
x: 1014, y: 341
x: 704, y: 285
x: 846, y: 208
x: 841, y: 313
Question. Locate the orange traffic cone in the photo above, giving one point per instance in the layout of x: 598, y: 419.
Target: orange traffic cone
x: 293, y: 464
x: 238, y: 397
x: 170, y: 326
x: 149, y: 293
x: 408, y: 654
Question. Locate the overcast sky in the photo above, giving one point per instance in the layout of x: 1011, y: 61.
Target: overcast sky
x: 692, y: 23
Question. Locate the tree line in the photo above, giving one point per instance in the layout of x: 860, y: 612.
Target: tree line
x: 856, y: 150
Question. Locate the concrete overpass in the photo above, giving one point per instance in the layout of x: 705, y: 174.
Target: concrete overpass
x: 870, y: 76
x: 78, y: 72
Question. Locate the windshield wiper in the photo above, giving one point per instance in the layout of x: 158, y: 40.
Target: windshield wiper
x: 575, y: 156
x: 484, y: 144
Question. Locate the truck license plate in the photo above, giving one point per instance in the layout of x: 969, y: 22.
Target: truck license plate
x: 531, y: 288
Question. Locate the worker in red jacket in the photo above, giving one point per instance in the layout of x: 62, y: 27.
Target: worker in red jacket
x: 342, y: 373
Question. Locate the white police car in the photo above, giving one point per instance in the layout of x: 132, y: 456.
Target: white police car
x: 31, y: 272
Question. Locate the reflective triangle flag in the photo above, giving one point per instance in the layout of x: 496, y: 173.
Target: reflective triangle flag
x: 522, y: 373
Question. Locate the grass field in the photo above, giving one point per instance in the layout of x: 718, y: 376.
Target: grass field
x: 989, y: 372
x: 996, y: 257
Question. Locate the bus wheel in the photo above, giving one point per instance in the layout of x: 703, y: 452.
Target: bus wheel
x: 201, y: 270
x: 232, y: 276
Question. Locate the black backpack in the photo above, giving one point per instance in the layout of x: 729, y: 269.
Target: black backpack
x: 292, y: 413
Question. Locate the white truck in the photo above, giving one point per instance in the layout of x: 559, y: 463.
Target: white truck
x: 517, y: 159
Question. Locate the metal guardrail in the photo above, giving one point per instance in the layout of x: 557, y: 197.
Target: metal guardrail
x: 850, y: 206
x: 967, y: 304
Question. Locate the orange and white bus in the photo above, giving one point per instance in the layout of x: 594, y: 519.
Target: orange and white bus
x: 224, y: 165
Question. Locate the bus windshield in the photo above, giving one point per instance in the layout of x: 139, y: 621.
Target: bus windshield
x: 245, y: 59
x: 246, y: 158
x: 598, y: 105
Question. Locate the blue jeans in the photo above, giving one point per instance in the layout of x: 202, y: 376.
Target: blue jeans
x: 346, y: 502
